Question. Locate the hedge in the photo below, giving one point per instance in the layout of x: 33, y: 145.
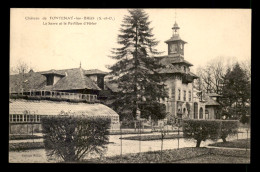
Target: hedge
x: 228, y: 127
x: 202, y: 130
x: 73, y: 137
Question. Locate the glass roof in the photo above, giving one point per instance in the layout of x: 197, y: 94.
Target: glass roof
x: 45, y: 107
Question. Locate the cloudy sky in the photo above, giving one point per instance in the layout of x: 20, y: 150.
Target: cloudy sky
x: 210, y: 33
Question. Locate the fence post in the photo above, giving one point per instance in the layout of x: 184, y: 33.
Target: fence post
x: 121, y: 141
x: 140, y: 137
x: 178, y: 135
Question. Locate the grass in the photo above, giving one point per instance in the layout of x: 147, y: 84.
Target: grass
x: 189, y: 155
x: 183, y: 155
x: 241, y: 143
x: 25, y: 146
x: 215, y: 159
x: 153, y: 137
x: 24, y: 137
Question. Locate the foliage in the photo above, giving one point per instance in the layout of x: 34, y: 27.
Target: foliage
x: 72, y: 137
x: 201, y: 130
x: 135, y: 71
x: 236, y: 93
x: 228, y: 127
x: 154, y: 110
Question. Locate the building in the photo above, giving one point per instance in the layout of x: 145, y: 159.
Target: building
x: 54, y: 92
x: 183, y: 101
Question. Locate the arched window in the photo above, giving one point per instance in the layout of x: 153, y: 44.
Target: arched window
x: 207, y: 113
x: 201, y: 113
x: 195, y: 110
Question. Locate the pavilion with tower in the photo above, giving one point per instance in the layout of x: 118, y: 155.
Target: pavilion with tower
x: 178, y: 78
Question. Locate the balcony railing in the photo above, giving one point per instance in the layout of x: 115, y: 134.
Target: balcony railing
x: 57, y: 95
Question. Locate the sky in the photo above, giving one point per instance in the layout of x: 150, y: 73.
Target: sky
x: 209, y: 33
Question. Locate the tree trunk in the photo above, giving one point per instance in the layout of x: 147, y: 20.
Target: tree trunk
x: 224, y: 139
x: 198, y: 143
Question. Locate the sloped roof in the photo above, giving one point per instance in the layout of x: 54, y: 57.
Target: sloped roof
x: 72, y: 79
x: 210, y: 101
x: 54, y: 72
x: 94, y: 71
x: 112, y: 86
x: 213, y: 95
x: 175, y: 38
x: 75, y: 79
x: 165, y: 60
x: 45, y: 107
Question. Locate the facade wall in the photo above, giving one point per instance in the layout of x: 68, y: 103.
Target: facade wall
x: 175, y: 86
x: 56, y: 79
x: 211, y: 113
x: 93, y: 78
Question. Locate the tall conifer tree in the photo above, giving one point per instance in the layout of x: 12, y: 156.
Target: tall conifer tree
x: 135, y: 69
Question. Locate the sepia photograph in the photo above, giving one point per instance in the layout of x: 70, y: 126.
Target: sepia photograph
x: 137, y: 85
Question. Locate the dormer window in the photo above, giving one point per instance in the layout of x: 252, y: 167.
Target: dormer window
x: 184, y: 68
x: 52, y: 77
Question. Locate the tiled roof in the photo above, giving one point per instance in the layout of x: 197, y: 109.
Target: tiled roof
x: 52, y: 71
x: 94, y: 71
x: 210, y: 101
x: 73, y: 79
x: 174, y: 38
x: 112, y: 86
x: 165, y: 60
x: 213, y: 95
x: 45, y: 107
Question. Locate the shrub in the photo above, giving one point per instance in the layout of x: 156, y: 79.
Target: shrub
x: 228, y: 127
x: 73, y: 137
x: 201, y: 130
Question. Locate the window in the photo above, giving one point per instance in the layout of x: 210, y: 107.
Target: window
x: 14, y: 118
x: 195, y: 110
x: 10, y: 118
x: 184, y: 95
x: 190, y: 96
x: 207, y: 113
x: 31, y: 118
x: 21, y: 118
x: 179, y: 94
x: 173, y: 48
x: 184, y: 68
x: 201, y: 113
x: 38, y: 118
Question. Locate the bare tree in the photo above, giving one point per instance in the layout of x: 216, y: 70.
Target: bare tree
x: 21, y: 68
x: 211, y: 76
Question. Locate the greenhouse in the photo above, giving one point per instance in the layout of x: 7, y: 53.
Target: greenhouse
x: 25, y: 115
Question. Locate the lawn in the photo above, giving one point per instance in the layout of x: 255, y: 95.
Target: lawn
x: 216, y: 159
x: 241, y: 143
x: 183, y: 155
x: 153, y: 137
